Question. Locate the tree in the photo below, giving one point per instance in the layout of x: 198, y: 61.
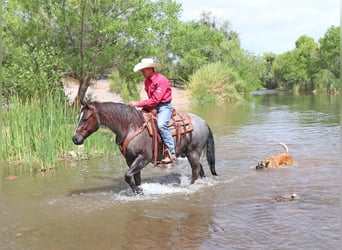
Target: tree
x: 311, y: 67
x: 288, y: 71
x: 268, y: 74
x: 115, y: 35
x: 196, y: 43
x: 307, y: 56
x: 90, y: 37
x: 329, y: 51
x: 33, y: 64
x: 294, y: 70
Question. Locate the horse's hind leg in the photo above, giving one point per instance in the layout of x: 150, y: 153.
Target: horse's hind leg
x: 201, y: 173
x: 197, y: 170
x: 196, y: 167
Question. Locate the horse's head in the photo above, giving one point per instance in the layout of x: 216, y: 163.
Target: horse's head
x: 88, y: 123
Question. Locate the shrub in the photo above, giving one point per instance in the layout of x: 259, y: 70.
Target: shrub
x: 216, y: 82
x: 119, y: 85
x: 324, y: 80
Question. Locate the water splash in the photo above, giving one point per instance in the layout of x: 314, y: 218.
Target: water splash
x: 157, y: 190
x: 153, y: 189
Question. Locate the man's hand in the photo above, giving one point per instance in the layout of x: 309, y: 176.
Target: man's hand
x: 132, y: 104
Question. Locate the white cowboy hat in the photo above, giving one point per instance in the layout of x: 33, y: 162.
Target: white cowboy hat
x: 146, y: 63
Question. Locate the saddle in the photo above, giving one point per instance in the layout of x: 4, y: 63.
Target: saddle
x: 180, y: 123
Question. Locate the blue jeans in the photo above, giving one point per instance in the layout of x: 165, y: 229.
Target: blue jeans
x: 164, y: 115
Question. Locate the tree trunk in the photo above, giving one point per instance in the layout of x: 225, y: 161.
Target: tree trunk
x: 84, y: 78
x: 82, y: 90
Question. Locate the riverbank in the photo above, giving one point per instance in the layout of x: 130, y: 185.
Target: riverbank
x: 100, y: 91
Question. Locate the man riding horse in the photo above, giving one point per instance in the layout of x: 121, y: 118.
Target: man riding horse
x: 193, y: 135
x: 159, y: 93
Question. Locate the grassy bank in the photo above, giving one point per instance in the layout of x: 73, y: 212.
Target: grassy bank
x: 39, y: 131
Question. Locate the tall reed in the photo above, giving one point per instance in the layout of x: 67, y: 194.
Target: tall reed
x: 39, y: 131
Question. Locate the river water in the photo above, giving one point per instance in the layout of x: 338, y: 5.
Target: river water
x: 87, y: 205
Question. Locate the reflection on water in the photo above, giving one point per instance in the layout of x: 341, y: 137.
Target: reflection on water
x: 87, y: 204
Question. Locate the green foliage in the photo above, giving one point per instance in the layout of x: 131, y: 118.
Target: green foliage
x: 94, y: 36
x: 46, y: 39
x: 250, y: 68
x: 310, y: 67
x: 329, y: 51
x: 216, y: 82
x: 39, y: 131
x: 36, y: 129
x: 35, y: 71
x: 326, y: 80
x: 294, y: 70
x: 267, y: 77
x: 196, y: 43
x: 119, y: 85
x: 116, y: 83
x: 289, y: 71
x: 32, y: 62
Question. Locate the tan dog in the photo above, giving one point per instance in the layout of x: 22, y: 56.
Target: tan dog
x: 277, y: 161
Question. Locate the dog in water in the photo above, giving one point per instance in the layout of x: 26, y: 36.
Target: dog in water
x: 276, y: 161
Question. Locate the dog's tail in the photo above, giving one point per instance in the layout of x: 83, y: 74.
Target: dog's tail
x: 284, y: 146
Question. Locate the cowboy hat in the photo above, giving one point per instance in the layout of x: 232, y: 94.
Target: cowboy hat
x: 146, y: 63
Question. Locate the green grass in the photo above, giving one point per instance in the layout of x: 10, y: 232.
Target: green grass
x: 39, y: 131
x: 216, y: 83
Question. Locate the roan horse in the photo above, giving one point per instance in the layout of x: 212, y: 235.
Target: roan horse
x: 125, y: 120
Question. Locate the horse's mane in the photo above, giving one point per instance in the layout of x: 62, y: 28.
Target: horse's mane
x: 119, y: 112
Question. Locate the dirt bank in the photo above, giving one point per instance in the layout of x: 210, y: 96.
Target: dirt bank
x: 99, y: 91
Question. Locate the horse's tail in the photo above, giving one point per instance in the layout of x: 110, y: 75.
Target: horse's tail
x: 211, y: 152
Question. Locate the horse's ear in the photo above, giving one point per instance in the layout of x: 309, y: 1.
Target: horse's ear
x: 84, y: 103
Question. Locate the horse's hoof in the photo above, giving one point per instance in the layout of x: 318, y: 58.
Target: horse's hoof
x: 139, y: 191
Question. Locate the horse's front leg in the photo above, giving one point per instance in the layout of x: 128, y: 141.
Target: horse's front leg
x: 134, y: 173
x: 137, y: 178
